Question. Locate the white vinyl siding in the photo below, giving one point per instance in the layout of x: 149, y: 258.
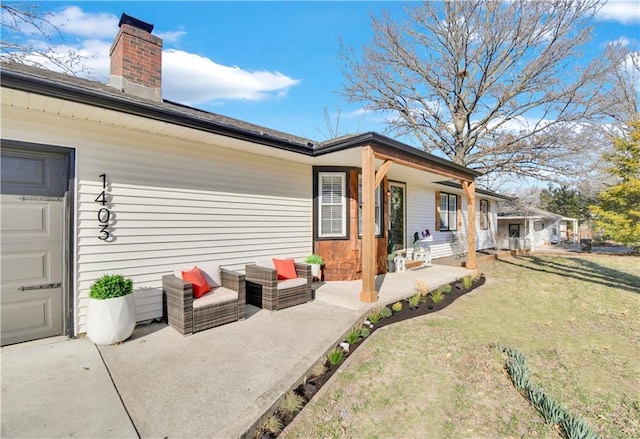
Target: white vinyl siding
x: 421, y: 215
x: 332, y: 205
x: 174, y: 204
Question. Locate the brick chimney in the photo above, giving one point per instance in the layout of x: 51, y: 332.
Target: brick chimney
x: 136, y: 59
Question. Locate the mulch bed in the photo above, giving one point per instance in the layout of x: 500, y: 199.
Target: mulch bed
x: 311, y: 387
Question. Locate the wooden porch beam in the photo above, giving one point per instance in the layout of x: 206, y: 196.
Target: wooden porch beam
x: 469, y: 188
x: 434, y: 168
x: 368, y: 293
x: 382, y: 172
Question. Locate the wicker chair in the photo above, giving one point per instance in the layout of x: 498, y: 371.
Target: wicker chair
x: 225, y: 303
x: 266, y: 291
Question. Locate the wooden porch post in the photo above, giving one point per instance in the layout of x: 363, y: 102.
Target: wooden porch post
x: 469, y: 188
x: 368, y: 293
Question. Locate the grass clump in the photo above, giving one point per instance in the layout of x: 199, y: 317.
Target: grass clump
x: 353, y: 335
x: 576, y: 428
x: 437, y: 296
x: 291, y: 403
x: 414, y: 301
x: 422, y: 288
x: 273, y: 424
x: 446, y: 288
x: 396, y: 307
x: 319, y: 369
x: 467, y: 281
x: 335, y: 355
x: 375, y: 315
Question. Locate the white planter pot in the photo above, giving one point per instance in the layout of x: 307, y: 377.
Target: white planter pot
x: 111, y: 321
x: 315, y: 270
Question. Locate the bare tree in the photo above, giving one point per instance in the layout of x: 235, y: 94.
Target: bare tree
x: 493, y: 85
x: 27, y: 34
x: 618, y: 97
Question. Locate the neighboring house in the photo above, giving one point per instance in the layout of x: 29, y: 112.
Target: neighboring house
x: 529, y: 228
x: 112, y: 178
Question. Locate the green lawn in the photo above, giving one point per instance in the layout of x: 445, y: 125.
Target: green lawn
x: 577, y: 320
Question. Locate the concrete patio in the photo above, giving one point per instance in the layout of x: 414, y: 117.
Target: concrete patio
x: 216, y: 383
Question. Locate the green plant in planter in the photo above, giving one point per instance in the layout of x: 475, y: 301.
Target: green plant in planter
x: 386, y: 312
x: 335, y: 355
x: 446, y: 288
x: 375, y: 315
x: 422, y: 288
x: 414, y: 300
x: 396, y: 307
x: 318, y: 369
x: 291, y: 403
x: 314, y: 259
x: 437, y: 295
x: 467, y: 281
x: 353, y: 335
x: 110, y: 286
x: 364, y: 332
x: 273, y: 424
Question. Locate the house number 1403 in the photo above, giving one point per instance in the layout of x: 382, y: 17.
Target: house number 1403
x: 104, y: 214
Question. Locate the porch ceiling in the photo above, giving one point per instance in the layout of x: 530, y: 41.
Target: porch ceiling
x: 353, y: 158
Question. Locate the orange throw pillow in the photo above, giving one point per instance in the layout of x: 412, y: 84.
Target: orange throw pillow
x: 286, y: 268
x: 197, y: 280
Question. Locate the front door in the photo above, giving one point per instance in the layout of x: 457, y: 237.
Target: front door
x: 32, y: 237
x: 397, y: 227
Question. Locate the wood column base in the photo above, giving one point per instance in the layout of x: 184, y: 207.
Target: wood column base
x: 368, y: 297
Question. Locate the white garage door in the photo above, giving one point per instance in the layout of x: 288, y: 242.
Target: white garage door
x: 32, y: 241
x: 31, y: 285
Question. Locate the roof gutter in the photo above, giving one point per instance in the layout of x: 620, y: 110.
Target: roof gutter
x: 56, y: 89
x: 42, y: 86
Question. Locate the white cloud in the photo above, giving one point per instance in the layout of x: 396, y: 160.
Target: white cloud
x: 170, y: 36
x: 194, y: 79
x: 75, y: 21
x: 187, y: 78
x: 624, y: 11
x: 360, y: 112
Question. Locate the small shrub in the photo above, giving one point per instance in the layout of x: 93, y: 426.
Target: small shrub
x: 353, y: 335
x: 437, y: 296
x: 467, y: 281
x: 273, y: 424
x: 335, y: 355
x: 319, y: 369
x: 414, y: 300
x: 364, y: 332
x: 386, y: 312
x: 446, y: 288
x: 110, y: 286
x: 291, y: 403
x: 375, y: 315
x: 396, y: 307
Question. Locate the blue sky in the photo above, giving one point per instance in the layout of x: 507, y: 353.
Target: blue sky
x: 270, y: 63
